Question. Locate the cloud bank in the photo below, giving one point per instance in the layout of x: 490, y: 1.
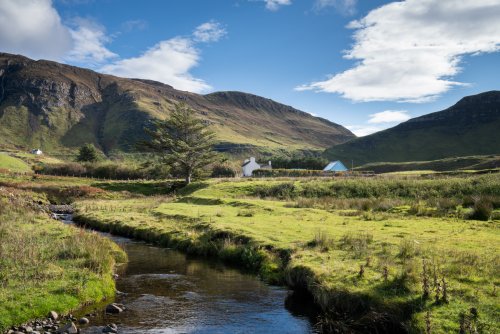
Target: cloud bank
x: 40, y: 33
x: 33, y: 28
x: 409, y: 51
x: 171, y: 61
x: 89, y: 39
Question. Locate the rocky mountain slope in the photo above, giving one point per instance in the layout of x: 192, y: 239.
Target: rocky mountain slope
x: 59, y: 107
x: 470, y: 127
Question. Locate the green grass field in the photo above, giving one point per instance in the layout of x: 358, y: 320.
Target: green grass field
x: 397, y: 249
x: 10, y: 163
x: 46, y: 265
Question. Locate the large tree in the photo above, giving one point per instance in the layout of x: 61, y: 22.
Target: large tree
x: 182, y: 141
x: 87, y: 153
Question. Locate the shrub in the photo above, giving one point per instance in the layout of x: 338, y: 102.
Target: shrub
x: 87, y: 153
x: 289, y: 173
x: 223, y: 171
x: 280, y: 190
x: 304, y: 162
x: 108, y: 170
x: 321, y: 239
x: 356, y: 242
x: 482, y: 209
x: 408, y: 249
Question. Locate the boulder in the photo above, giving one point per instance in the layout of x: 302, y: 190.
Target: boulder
x: 111, y: 328
x: 113, y: 309
x: 83, y: 321
x: 69, y: 328
x: 53, y: 315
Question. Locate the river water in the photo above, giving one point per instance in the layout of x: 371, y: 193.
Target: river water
x: 165, y: 291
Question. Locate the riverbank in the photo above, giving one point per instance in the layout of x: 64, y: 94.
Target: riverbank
x: 46, y: 265
x: 387, y: 255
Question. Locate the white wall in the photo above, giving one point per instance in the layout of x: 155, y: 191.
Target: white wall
x: 250, y: 167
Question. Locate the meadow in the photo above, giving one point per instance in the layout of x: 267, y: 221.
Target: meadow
x: 46, y: 265
x: 401, y: 252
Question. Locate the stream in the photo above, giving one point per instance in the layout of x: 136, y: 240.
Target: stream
x: 165, y: 291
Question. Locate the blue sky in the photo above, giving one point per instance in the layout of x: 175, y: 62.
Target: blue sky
x: 364, y: 64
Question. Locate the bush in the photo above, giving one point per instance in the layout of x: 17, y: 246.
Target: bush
x: 109, y: 170
x: 290, y: 173
x: 305, y: 163
x: 223, y: 171
x: 87, y: 153
x: 280, y: 190
x: 482, y: 209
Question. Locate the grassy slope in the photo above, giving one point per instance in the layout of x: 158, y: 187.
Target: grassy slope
x: 45, y: 265
x: 13, y: 164
x: 447, y: 164
x: 327, y: 246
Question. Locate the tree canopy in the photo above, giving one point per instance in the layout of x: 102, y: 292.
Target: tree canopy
x: 183, y: 141
x: 87, y: 153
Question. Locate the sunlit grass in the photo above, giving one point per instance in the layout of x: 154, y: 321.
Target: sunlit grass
x: 374, y: 252
x: 46, y: 265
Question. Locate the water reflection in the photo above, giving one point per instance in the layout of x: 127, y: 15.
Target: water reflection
x: 166, y: 292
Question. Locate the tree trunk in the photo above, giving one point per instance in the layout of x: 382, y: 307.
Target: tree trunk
x: 188, y: 178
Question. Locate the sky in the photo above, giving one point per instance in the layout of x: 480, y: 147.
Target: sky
x: 365, y: 64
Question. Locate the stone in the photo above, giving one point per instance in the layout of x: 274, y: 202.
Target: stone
x: 110, y: 329
x: 69, y: 328
x: 53, y: 315
x: 113, y: 309
x: 83, y: 321
x: 27, y: 329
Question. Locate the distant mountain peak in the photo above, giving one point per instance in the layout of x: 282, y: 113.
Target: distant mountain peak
x: 469, y: 127
x: 59, y: 107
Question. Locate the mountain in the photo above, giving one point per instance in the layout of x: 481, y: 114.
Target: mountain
x: 470, y: 127
x: 59, y: 107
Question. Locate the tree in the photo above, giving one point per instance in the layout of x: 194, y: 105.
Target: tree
x: 182, y: 141
x: 87, y: 153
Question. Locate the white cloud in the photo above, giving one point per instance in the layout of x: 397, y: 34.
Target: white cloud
x: 389, y: 116
x: 274, y: 5
x: 211, y: 31
x: 89, y: 39
x: 364, y: 130
x: 346, y: 7
x: 33, y: 28
x: 410, y: 50
x: 168, y: 61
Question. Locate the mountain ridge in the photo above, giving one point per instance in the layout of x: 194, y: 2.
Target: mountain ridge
x: 58, y: 107
x: 469, y: 127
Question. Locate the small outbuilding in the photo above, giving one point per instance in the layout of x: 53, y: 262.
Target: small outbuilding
x: 36, y: 151
x: 249, y: 165
x: 335, y: 166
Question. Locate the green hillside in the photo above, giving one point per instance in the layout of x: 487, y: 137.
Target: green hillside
x: 59, y: 107
x: 13, y: 164
x: 480, y: 162
x: 470, y: 127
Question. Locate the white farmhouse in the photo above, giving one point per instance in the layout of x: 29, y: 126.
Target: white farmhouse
x: 249, y: 165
